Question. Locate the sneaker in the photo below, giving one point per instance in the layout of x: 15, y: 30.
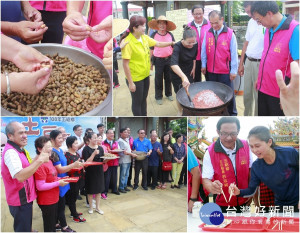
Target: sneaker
x: 90, y: 211
x: 116, y: 86
x: 122, y: 191
x: 135, y: 187
x: 159, y: 102
x: 177, y: 186
x: 172, y: 186
x: 79, y: 197
x: 68, y: 229
x: 117, y: 193
x: 152, y: 188
x: 127, y: 189
x: 99, y: 211
x: 130, y: 186
x: 170, y: 98
x: 79, y: 219
x: 145, y: 188
x: 79, y: 214
x: 88, y: 206
x: 58, y: 227
x: 103, y: 196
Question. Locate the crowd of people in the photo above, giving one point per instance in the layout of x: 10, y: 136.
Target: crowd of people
x: 60, y: 157
x: 209, y: 49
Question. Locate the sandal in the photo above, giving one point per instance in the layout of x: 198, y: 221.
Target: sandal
x: 164, y: 186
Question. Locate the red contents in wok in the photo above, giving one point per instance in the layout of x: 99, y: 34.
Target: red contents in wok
x: 207, y: 99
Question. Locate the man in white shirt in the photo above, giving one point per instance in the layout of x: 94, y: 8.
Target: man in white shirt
x: 253, y: 48
x: 101, y: 130
x: 65, y: 135
x: 77, y: 129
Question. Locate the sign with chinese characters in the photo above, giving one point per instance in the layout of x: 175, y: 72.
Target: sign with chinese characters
x: 179, y: 17
x: 42, y: 126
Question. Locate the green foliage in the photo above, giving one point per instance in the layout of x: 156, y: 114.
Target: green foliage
x: 179, y: 126
x: 110, y: 125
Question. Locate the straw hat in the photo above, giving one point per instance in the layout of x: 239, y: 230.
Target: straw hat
x: 119, y: 26
x: 154, y: 23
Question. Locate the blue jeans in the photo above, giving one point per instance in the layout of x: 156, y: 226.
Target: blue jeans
x: 124, y: 173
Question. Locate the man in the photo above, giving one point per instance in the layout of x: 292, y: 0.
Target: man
x: 201, y: 26
x: 281, y: 47
x: 141, y: 144
x: 101, y: 130
x: 65, y: 135
x: 111, y: 175
x: 125, y: 160
x: 219, y: 54
x: 153, y: 161
x: 17, y: 171
x: 77, y: 129
x: 130, y: 140
x: 162, y: 57
x: 253, y: 48
x: 226, y: 161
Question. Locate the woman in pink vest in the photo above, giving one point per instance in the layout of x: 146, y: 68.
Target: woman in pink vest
x: 47, y: 185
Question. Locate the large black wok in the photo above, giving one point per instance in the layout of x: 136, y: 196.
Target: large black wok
x: 223, y: 91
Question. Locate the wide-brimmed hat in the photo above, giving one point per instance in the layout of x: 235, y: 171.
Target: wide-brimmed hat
x: 119, y: 26
x: 154, y: 23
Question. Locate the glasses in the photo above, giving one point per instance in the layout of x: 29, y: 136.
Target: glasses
x: 225, y: 135
x: 198, y: 14
x: 142, y: 133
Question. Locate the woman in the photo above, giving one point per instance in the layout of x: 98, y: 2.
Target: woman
x: 94, y: 177
x: 167, y: 156
x: 177, y: 162
x: 277, y: 167
x: 183, y: 61
x: 47, y: 185
x: 136, y: 62
x: 72, y: 194
x: 60, y: 163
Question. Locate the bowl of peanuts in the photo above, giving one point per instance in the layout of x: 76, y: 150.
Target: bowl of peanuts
x: 79, y: 85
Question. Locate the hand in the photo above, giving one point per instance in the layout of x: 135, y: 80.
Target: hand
x: 62, y: 183
x: 31, y: 14
x: 169, y: 147
x: 216, y: 187
x: 96, y: 152
x: 30, y: 32
x: 29, y: 82
x: 43, y: 157
x: 133, y: 155
x: 77, y: 164
x: 289, y: 94
x: 123, y: 44
x: 232, y: 77
x: 186, y: 83
x: 108, y: 55
x: 241, y: 69
x: 235, y: 191
x: 203, y: 70
x: 75, y: 26
x: 179, y: 161
x: 158, y: 150
x: 132, y: 87
x: 103, y: 31
x: 193, y: 73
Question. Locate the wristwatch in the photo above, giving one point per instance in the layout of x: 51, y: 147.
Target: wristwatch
x: 193, y: 199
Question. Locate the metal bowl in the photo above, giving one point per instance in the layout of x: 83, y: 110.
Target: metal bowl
x: 140, y: 155
x: 78, y: 56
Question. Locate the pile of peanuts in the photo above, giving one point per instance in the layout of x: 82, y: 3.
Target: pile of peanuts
x: 73, y: 89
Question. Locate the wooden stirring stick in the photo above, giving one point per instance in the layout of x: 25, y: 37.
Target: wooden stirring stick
x: 231, y: 193
x: 224, y: 195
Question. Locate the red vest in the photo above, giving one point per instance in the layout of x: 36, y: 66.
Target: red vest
x: 276, y: 55
x: 218, y: 53
x: 205, y: 27
x: 224, y: 171
x: 115, y: 145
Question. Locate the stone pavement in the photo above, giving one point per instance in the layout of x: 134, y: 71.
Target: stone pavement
x: 122, y: 99
x: 136, y: 211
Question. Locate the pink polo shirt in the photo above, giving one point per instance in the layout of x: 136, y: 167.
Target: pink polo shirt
x: 166, y: 51
x: 49, y: 5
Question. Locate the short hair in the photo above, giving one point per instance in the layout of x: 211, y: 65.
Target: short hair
x: 122, y: 130
x: 70, y: 140
x: 76, y: 127
x: 214, y: 13
x: 139, y: 130
x: 60, y: 127
x: 262, y: 133
x: 152, y: 130
x: 229, y: 120
x: 88, y: 135
x: 100, y: 125
x: 9, y: 129
x: 168, y: 129
x: 262, y: 7
x: 188, y: 32
x: 247, y: 3
x: 54, y: 134
x: 89, y: 129
x: 40, y: 142
x: 178, y: 136
x: 109, y: 130
x: 197, y: 6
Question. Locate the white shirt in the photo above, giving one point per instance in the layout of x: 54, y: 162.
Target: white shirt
x: 124, y: 145
x: 208, y: 170
x: 199, y: 29
x: 64, y: 147
x: 255, y: 37
x: 80, y: 140
x: 13, y: 162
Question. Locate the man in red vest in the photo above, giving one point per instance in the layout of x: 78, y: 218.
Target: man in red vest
x: 219, y: 54
x: 281, y: 47
x: 226, y: 161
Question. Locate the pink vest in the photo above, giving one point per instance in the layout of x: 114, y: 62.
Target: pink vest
x: 49, y: 5
x: 131, y: 142
x: 218, y: 58
x: 224, y: 171
x: 275, y: 56
x: 166, y: 51
x: 99, y: 10
x: 205, y: 27
x: 115, y: 145
x: 17, y: 193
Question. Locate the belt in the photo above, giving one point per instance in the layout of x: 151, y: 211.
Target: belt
x: 163, y: 58
x: 253, y: 59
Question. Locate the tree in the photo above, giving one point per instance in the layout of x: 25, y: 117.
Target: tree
x: 179, y: 126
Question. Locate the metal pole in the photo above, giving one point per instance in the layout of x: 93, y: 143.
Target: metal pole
x: 125, y: 10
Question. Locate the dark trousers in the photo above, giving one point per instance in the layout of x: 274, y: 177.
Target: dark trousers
x: 139, y: 97
x: 130, y: 175
x: 49, y: 213
x: 162, y: 72
x: 111, y: 176
x: 53, y: 21
x: 115, y: 77
x: 152, y: 176
x: 165, y: 176
x: 143, y: 164
x: 61, y: 211
x: 71, y: 196
x: 198, y: 71
x: 22, y: 217
x: 183, y: 174
x: 268, y: 105
x: 225, y: 79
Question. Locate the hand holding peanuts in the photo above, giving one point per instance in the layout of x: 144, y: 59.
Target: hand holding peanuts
x: 103, y: 31
x: 62, y: 183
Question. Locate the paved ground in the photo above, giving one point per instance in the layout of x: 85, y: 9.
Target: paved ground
x: 122, y: 100
x: 136, y: 211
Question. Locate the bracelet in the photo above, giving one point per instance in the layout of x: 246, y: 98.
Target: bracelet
x: 7, y: 82
x: 193, y: 199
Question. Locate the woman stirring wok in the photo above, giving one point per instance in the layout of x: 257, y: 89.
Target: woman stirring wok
x: 277, y: 167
